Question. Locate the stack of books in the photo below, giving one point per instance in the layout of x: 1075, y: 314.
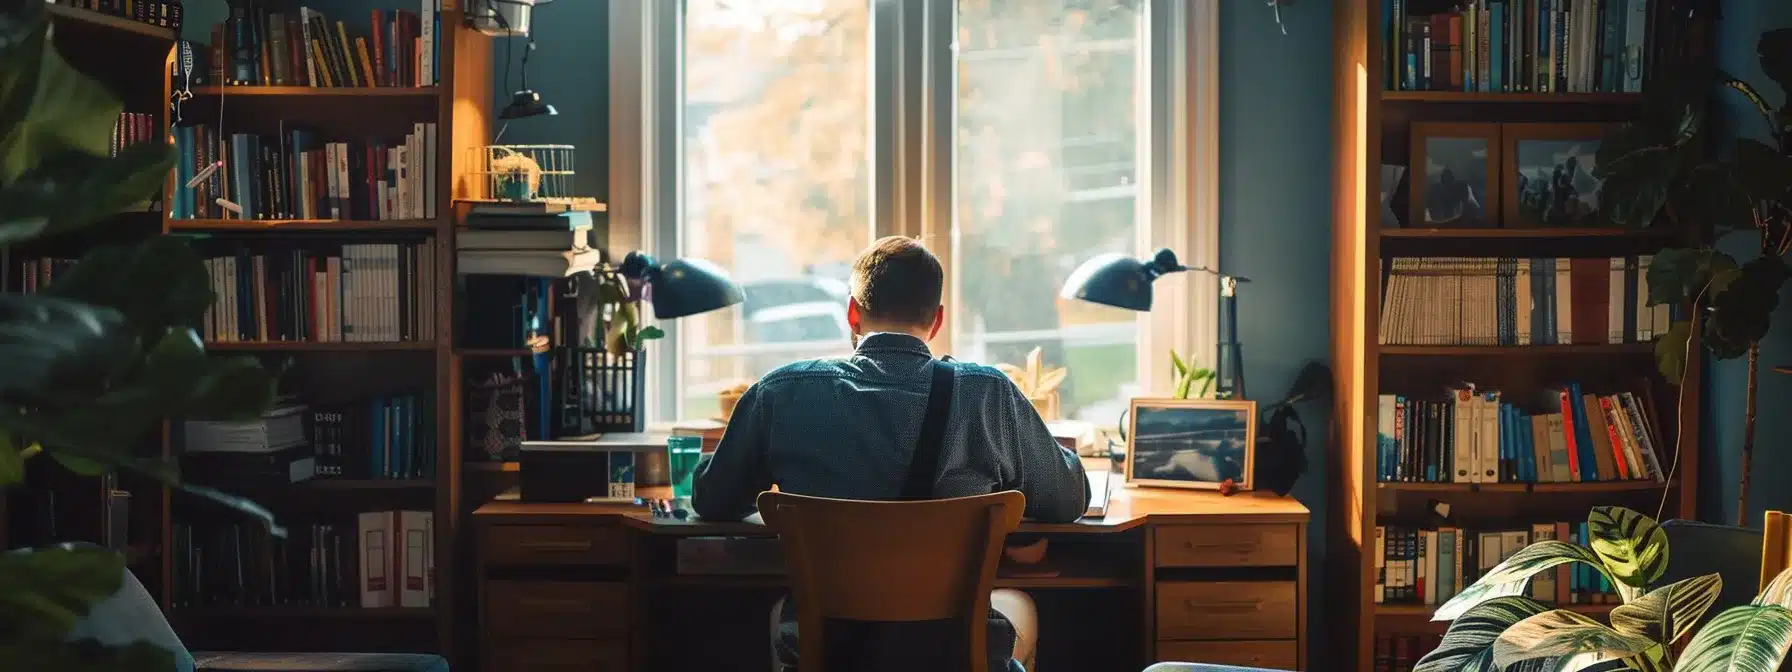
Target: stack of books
x: 270, y: 450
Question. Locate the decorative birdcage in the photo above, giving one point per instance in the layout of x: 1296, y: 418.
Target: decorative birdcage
x: 527, y: 173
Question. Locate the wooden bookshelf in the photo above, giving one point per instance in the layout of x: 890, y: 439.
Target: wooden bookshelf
x: 460, y: 106
x: 84, y: 19
x: 1373, y: 128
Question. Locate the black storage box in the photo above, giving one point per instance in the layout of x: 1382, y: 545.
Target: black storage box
x: 600, y: 469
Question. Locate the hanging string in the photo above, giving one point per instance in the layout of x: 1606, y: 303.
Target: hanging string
x: 1276, y: 5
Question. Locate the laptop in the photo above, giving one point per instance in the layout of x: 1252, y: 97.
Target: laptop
x: 1100, y: 483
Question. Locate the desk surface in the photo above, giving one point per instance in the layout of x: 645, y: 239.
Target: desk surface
x: 1127, y: 508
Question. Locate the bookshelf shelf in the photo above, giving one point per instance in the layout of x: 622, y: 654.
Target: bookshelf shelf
x: 320, y: 347
x: 1530, y: 98
x: 1521, y: 234
x: 108, y: 22
x: 301, y: 225
x: 319, y: 91
x: 1416, y: 618
x: 1516, y: 350
x: 493, y: 352
x: 301, y: 612
x: 363, y: 484
x: 1546, y: 488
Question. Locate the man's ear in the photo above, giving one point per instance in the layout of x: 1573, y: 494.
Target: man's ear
x: 853, y: 314
x: 939, y: 320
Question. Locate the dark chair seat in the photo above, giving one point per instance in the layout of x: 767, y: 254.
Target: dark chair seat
x: 210, y: 661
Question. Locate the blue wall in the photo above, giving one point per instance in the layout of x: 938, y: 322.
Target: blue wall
x: 1275, y: 216
x: 1720, y: 454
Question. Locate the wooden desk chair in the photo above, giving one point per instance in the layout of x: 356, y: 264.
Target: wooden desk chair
x: 886, y: 562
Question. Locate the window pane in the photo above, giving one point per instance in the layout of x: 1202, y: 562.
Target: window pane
x: 777, y: 140
x: 1047, y: 175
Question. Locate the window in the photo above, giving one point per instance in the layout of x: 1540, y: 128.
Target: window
x: 1018, y: 138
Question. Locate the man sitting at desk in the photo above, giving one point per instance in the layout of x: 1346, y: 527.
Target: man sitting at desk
x: 848, y: 428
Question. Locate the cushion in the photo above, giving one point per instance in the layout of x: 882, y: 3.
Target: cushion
x: 213, y: 661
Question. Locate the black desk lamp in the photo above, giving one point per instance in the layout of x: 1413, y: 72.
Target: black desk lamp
x: 682, y: 287
x: 1124, y: 282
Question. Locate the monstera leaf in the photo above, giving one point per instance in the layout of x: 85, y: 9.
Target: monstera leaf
x: 1633, y: 548
x: 1667, y: 613
x: 1468, y: 644
x: 1749, y: 638
x: 46, y: 106
x: 1563, y: 634
x: 1511, y: 576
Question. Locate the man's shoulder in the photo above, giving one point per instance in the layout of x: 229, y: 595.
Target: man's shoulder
x: 977, y: 378
x: 807, y: 368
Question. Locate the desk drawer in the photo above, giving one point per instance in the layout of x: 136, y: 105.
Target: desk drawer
x: 1226, y: 610
x: 555, y: 655
x: 570, y: 609
x: 555, y: 545
x: 1266, y: 545
x: 1269, y: 655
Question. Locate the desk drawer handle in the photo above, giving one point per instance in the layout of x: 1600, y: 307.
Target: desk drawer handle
x: 1225, y: 607
x: 1228, y: 547
x: 557, y: 546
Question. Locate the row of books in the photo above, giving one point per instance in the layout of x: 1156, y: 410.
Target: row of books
x: 1472, y: 436
x: 392, y: 437
x: 133, y: 128
x: 163, y: 13
x: 323, y: 292
x: 1518, y: 46
x: 262, y: 46
x: 1495, y: 301
x: 1400, y: 653
x: 370, y: 560
x: 1429, y: 566
x: 33, y: 274
x: 296, y: 175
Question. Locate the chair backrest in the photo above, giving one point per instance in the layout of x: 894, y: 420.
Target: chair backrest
x: 905, y: 561
x: 1697, y: 549
x: 1776, y: 546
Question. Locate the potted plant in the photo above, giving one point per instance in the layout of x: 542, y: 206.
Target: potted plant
x: 1658, y: 168
x: 92, y: 365
x: 1493, y: 626
x: 1039, y: 384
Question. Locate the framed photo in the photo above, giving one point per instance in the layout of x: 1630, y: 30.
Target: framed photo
x: 1455, y: 176
x: 1191, y: 443
x: 1549, y: 175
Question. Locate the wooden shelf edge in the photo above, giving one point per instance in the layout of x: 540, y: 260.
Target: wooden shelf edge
x: 104, y: 20
x: 507, y: 467
x: 307, y: 346
x: 1592, y: 487
x: 313, y: 91
x: 1509, y: 350
x: 1531, y: 98
x: 1526, y: 234
x: 300, y: 225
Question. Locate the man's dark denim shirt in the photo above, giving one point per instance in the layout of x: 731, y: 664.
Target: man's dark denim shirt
x: 847, y: 427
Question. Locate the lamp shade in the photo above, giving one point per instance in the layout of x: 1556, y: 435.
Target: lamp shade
x: 1118, y: 280
x: 683, y: 287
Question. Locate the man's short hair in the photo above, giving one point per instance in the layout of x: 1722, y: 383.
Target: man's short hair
x: 897, y: 280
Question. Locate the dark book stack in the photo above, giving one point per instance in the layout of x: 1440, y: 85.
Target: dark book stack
x: 297, y: 174
x: 164, y: 13
x: 391, y: 437
x: 260, y: 45
x: 1473, y: 436
x: 241, y: 564
x: 1400, y: 654
x: 269, y: 451
x: 1518, y: 46
x: 321, y: 291
x: 1430, y: 566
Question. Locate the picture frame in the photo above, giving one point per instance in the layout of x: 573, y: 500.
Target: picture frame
x: 1162, y: 448
x: 1455, y: 176
x: 1540, y: 160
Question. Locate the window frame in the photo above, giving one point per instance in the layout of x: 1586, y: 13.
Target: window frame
x: 912, y: 158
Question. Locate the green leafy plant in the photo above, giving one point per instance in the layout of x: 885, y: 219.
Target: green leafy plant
x: 1494, y: 626
x: 91, y: 366
x: 1658, y: 167
x: 1188, y: 376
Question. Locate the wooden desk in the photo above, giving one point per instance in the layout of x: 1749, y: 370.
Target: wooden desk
x: 1216, y: 579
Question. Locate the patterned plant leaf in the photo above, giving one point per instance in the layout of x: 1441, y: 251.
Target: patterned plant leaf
x: 1561, y: 633
x: 1511, y: 577
x: 1468, y: 644
x: 1653, y: 660
x: 1631, y: 546
x: 1749, y: 638
x: 1778, y: 591
x: 1667, y: 613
